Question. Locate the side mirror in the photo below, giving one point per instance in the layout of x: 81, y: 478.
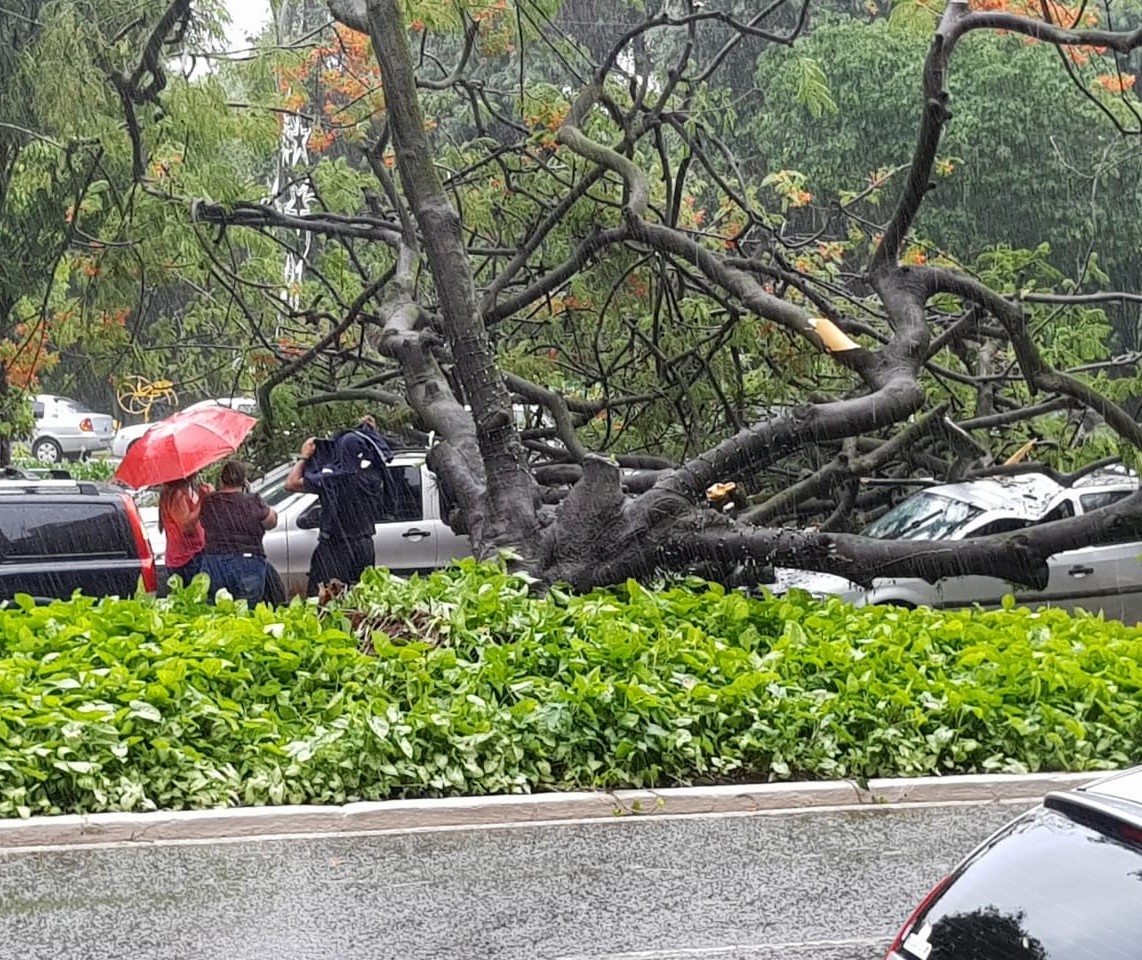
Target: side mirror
x: 310, y: 519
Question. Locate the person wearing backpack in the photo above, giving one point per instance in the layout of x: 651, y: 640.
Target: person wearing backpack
x: 348, y: 475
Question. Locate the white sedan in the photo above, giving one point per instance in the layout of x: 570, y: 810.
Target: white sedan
x: 1102, y: 578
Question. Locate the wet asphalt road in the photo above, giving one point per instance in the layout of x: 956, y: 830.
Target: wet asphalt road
x: 823, y: 886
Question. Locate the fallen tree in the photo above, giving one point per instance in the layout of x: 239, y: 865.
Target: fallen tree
x: 439, y: 313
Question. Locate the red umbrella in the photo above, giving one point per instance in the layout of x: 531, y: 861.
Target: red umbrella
x: 183, y: 444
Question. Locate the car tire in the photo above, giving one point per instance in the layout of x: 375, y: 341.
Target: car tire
x: 47, y: 450
x: 899, y: 604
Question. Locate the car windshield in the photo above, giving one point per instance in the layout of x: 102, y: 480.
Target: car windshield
x: 923, y: 516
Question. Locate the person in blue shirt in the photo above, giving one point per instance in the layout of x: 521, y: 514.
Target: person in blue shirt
x: 347, y: 474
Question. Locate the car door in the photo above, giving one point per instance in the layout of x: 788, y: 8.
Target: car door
x: 449, y: 545
x: 969, y: 590
x: 1106, y: 579
x: 290, y: 545
x: 64, y: 417
x: 406, y: 541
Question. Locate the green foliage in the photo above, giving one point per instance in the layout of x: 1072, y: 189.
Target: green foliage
x: 99, y: 470
x: 16, y: 418
x: 1020, y: 129
x: 479, y: 687
x: 813, y: 88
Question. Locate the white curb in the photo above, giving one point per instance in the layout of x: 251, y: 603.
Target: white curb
x: 398, y: 815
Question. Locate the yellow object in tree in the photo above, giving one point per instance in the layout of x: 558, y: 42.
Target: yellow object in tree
x: 717, y: 492
x: 1021, y: 454
x: 832, y: 336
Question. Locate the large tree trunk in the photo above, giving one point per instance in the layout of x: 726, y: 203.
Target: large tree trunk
x: 503, y: 514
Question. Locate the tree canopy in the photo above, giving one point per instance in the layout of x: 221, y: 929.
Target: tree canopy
x: 789, y: 278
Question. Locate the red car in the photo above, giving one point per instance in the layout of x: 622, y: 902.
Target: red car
x: 1061, y: 882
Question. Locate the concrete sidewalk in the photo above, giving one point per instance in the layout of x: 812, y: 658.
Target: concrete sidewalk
x: 408, y: 815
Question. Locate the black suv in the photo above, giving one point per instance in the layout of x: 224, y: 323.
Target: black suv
x: 59, y: 535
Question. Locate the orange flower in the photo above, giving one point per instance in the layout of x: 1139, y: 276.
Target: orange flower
x: 1115, y: 84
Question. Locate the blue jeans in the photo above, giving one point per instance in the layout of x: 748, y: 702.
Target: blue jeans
x: 188, y: 571
x: 243, y: 574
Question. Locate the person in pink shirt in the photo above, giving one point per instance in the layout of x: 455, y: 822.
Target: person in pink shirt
x: 180, y: 505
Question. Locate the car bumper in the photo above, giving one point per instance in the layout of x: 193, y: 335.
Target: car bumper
x: 86, y: 444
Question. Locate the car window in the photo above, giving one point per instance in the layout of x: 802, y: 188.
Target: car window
x: 1062, y: 511
x: 1104, y: 498
x: 923, y: 516
x: 40, y: 531
x: 1003, y: 525
x: 274, y: 492
x: 1053, y: 887
x: 73, y: 406
x: 38, y: 409
x: 407, y: 495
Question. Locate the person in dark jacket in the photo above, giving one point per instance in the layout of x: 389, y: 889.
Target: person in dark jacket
x: 235, y: 521
x: 347, y: 474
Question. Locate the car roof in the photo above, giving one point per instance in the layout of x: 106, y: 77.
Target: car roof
x: 401, y: 457
x: 1025, y: 495
x: 1028, y: 495
x: 1124, y: 785
x: 36, y: 488
x: 237, y: 401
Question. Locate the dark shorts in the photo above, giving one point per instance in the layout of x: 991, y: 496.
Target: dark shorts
x: 343, y: 560
x: 188, y: 571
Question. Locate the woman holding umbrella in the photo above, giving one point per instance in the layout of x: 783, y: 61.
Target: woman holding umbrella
x: 180, y: 504
x: 235, y: 521
x: 170, y: 454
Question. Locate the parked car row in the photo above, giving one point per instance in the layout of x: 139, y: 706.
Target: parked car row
x: 58, y: 535
x: 67, y: 429
x: 415, y: 537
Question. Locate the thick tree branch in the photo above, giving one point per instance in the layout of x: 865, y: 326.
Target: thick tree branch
x: 1019, y: 557
x: 510, y: 491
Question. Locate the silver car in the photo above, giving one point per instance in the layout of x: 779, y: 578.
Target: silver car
x: 416, y: 539
x: 68, y: 428
x: 1105, y: 579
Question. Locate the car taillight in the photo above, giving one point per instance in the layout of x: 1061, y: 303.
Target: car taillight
x: 902, y: 937
x: 142, y: 545
x: 86, y: 425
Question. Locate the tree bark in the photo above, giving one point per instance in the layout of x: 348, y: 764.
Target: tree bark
x: 510, y: 495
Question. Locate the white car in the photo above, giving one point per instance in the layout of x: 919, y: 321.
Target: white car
x: 66, y: 428
x: 415, y: 540
x: 129, y: 434
x: 1101, y: 578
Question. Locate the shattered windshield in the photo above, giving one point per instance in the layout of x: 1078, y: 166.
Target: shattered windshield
x: 923, y: 516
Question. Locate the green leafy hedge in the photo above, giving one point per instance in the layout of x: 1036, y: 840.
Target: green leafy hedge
x: 477, y: 687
